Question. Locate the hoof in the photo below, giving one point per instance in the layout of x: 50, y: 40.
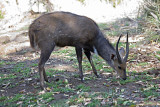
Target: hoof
x: 98, y: 76
x: 42, y: 88
x: 82, y: 80
x: 46, y: 80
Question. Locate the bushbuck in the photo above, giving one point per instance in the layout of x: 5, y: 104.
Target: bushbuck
x: 68, y: 29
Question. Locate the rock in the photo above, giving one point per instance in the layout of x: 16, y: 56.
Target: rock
x: 4, y: 39
x: 12, y: 47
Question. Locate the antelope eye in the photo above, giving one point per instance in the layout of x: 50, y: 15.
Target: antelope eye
x: 119, y: 67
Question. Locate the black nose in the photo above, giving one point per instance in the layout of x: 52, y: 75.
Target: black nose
x: 124, y: 78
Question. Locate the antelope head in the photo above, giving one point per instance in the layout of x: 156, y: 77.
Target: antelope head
x: 119, y: 60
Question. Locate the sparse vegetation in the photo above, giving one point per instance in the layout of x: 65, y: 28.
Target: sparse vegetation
x: 152, y: 19
x: 1, y: 15
x: 19, y: 78
x: 108, y: 90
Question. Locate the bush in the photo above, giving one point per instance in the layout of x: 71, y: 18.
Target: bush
x: 151, y: 10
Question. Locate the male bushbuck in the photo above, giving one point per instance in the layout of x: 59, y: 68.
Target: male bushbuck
x: 68, y: 29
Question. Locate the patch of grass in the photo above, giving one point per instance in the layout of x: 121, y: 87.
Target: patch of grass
x: 81, y: 1
x: 144, y: 78
x: 132, y: 57
x: 47, y: 97
x: 60, y: 86
x: 3, y: 100
x: 67, y: 51
x: 103, y: 25
x: 90, y: 77
x: 112, y: 29
x: 124, y: 102
x: 158, y: 57
x: 20, y: 68
x: 110, y: 70
x: 158, y: 52
x: 142, y: 64
x: 128, y: 80
x: 12, y: 101
x: 121, y: 44
x: 76, y: 75
x: 73, y: 100
x: 150, y: 92
x: 59, y: 103
x: 27, y: 100
x: 1, y: 15
x: 153, y: 37
x: 83, y: 88
x: 94, y: 103
x: 82, y: 97
x: 2, y: 63
x: 113, y: 33
x: 133, y: 77
x: 52, y: 71
x: 103, y: 99
x: 121, y: 27
x: 133, y: 45
x: 7, y: 76
x: 34, y: 64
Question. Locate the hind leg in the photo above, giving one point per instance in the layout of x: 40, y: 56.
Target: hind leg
x: 79, y: 58
x: 45, y: 54
x: 88, y: 54
x: 45, y: 76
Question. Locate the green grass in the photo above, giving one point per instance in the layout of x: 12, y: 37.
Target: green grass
x: 60, y: 103
x: 34, y: 64
x: 124, y: 102
x: 2, y: 63
x: 1, y: 15
x: 8, y: 101
x: 52, y: 71
x: 20, y: 68
x: 158, y: 55
x: 27, y: 100
x: 96, y: 99
x: 83, y: 88
x: 47, y: 97
x: 60, y: 86
x: 153, y: 37
x: 7, y: 76
x: 121, y: 27
x: 133, y: 77
x: 142, y: 64
x: 150, y: 92
x: 103, y: 25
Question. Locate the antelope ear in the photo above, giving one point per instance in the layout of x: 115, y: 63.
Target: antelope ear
x: 113, y: 56
x: 122, y: 52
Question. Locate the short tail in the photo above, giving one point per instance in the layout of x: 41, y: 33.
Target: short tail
x: 32, y: 38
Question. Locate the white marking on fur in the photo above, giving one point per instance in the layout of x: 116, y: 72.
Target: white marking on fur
x: 95, y: 50
x: 82, y: 50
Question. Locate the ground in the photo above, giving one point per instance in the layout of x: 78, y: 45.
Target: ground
x: 19, y: 78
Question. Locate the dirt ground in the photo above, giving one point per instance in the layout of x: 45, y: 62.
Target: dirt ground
x: 30, y: 84
x: 15, y: 52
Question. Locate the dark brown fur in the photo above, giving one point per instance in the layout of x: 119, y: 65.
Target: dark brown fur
x: 67, y: 29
